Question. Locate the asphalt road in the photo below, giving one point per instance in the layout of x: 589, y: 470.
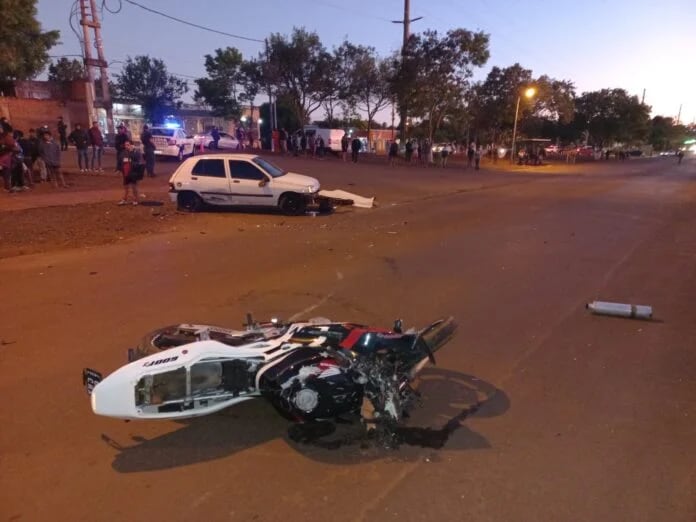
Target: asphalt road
x: 583, y: 417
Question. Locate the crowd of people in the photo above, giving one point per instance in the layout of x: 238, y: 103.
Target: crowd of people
x: 27, y: 160
x: 36, y: 157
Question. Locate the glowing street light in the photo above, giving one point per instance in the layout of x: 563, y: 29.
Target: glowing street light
x: 529, y: 93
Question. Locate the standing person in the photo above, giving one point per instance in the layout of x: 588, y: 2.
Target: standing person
x: 63, y: 133
x: 344, y: 146
x: 303, y: 143
x: 355, y: 147
x: 680, y: 156
x: 426, y: 153
x: 239, y: 134
x: 283, y: 141
x: 8, y: 148
x: 409, y: 150
x: 215, y: 134
x: 78, y: 137
x: 132, y: 171
x: 49, y: 151
x: 149, y: 150
x: 312, y: 144
x: 30, y: 148
x: 445, y: 154
x: 120, y: 144
x: 96, y: 140
x: 321, y: 147
x: 477, y: 157
x: 470, y: 153
x: 393, y: 152
x: 296, y: 144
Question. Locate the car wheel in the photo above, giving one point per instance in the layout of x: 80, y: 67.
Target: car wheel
x: 292, y: 205
x: 180, y: 156
x: 189, y: 202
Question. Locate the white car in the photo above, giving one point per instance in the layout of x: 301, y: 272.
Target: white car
x: 227, y: 141
x: 242, y: 180
x: 172, y: 142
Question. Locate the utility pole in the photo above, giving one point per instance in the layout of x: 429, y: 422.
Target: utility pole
x: 679, y: 114
x: 90, y: 20
x: 642, y: 101
x: 403, y: 110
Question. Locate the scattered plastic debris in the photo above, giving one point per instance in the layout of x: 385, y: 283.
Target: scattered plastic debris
x: 620, y: 309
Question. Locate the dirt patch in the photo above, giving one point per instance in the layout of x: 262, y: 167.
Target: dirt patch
x: 68, y: 226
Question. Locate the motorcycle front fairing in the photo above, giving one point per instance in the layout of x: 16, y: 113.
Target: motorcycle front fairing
x: 189, y: 381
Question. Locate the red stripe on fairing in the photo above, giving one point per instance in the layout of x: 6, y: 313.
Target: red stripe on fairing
x: 355, y: 335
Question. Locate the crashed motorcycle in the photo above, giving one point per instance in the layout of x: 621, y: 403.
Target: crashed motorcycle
x: 308, y: 370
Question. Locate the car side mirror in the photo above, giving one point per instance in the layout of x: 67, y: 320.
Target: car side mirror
x: 263, y: 183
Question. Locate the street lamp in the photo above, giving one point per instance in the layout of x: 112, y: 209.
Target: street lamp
x: 529, y: 93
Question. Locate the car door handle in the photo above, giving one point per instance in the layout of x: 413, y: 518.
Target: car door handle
x: 235, y: 181
x: 194, y: 178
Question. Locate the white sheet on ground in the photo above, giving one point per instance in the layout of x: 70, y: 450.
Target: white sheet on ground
x: 358, y: 201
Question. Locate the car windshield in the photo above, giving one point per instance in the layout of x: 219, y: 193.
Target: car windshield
x: 269, y: 167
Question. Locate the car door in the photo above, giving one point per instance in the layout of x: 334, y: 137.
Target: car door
x: 228, y: 142
x: 210, y: 180
x: 249, y: 184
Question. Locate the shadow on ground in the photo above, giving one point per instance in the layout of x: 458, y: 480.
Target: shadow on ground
x: 448, y: 399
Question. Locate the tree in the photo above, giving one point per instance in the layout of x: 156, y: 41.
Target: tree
x: 367, y: 80
x: 65, y: 70
x: 220, y: 89
x: 296, y: 66
x: 665, y: 134
x: 24, y: 49
x: 495, y: 99
x: 145, y: 81
x: 252, y: 82
x: 433, y: 74
x: 612, y: 115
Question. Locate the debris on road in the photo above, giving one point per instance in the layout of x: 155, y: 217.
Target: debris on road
x: 620, y: 309
x: 357, y: 201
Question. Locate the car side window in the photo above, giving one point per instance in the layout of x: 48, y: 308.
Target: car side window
x: 240, y: 169
x: 213, y: 168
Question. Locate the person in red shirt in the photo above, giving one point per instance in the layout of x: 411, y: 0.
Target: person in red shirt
x: 132, y: 168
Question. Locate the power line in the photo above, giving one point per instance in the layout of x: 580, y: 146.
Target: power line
x: 192, y: 24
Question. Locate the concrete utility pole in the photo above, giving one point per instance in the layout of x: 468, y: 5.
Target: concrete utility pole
x: 90, y: 20
x: 403, y: 111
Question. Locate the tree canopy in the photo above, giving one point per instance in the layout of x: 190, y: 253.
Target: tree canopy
x: 297, y: 65
x: 65, y: 70
x: 433, y: 74
x: 220, y: 90
x: 145, y: 80
x: 24, y: 49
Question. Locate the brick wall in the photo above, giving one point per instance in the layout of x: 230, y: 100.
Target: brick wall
x: 24, y: 114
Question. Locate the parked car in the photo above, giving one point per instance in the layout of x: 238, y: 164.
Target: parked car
x: 173, y: 143
x: 241, y: 180
x: 227, y: 141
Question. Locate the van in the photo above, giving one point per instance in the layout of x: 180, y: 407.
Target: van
x: 332, y: 137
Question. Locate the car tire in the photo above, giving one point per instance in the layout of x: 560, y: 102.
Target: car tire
x: 189, y: 202
x: 292, y: 204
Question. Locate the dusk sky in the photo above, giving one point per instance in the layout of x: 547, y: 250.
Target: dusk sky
x: 635, y: 45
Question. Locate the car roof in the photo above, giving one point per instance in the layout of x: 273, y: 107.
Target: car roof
x: 226, y: 155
